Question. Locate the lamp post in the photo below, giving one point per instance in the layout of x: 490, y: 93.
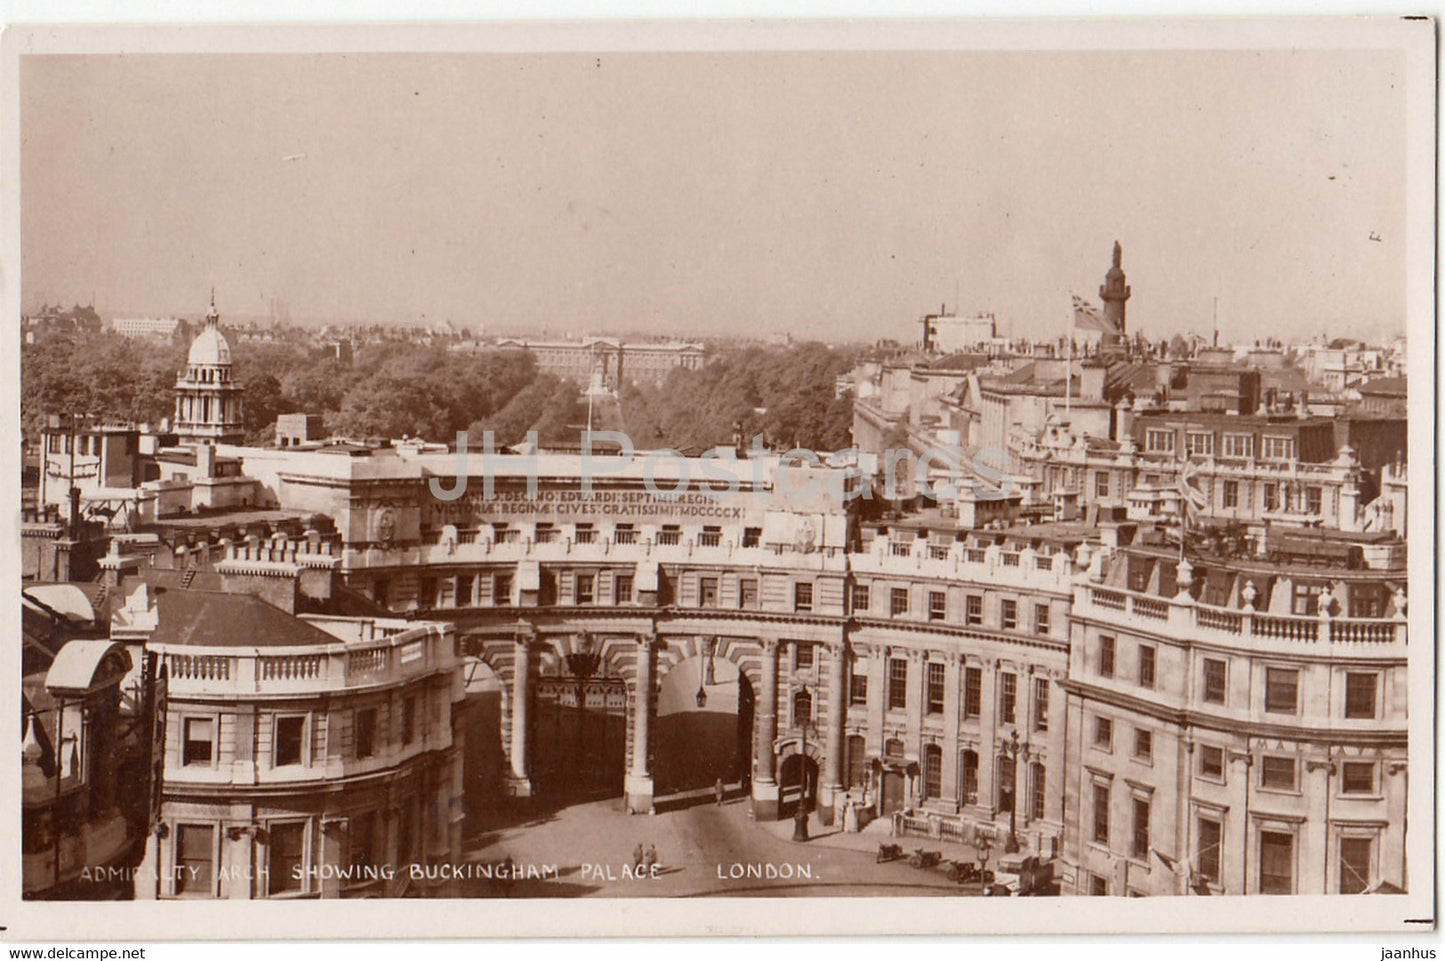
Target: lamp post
x: 800, y: 816
x: 983, y: 852
x: 1011, y: 846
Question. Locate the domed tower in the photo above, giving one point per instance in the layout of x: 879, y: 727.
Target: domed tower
x: 1114, y: 293
x: 208, y: 400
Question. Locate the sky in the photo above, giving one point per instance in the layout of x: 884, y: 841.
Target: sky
x: 832, y: 195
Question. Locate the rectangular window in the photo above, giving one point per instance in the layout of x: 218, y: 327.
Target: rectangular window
x: 898, y: 601
x: 1146, y: 665
x: 1271, y: 497
x: 1139, y: 844
x: 1041, y: 618
x: 1230, y: 494
x: 1360, y: 691
x: 803, y: 656
x: 937, y: 605
x: 408, y: 719
x: 200, y: 741
x: 1101, y: 813
x: 1036, y: 807
x: 707, y: 592
x: 624, y: 534
x: 973, y: 610
x: 1041, y: 704
x: 1356, y: 857
x: 1098, y: 886
x: 547, y: 533
x: 586, y: 588
x: 1273, y: 447
x: 585, y: 534
x: 462, y: 596
x: 860, y: 599
x: 1276, y: 862
x: 972, y: 692
x: 932, y: 771
x: 1277, y: 773
x: 1106, y: 655
x: 1216, y: 674
x: 1009, y: 611
x: 1159, y: 440
x: 195, y: 858
x: 1101, y: 485
x: 748, y: 593
x: 1314, y: 500
x: 1281, y: 690
x: 1238, y: 445
x: 1008, y: 697
x: 501, y: 589
x: 366, y: 732
x: 752, y: 536
x: 935, y: 688
x: 1211, y: 838
x: 1103, y: 732
x: 1199, y: 443
x: 288, y: 734
x: 802, y: 598
x: 897, y: 684
x: 287, y: 849
x: 622, y: 588
x: 1211, y: 762
x: 709, y: 536
x: 858, y: 689
x: 1306, y: 600
x: 857, y: 761
x: 1143, y: 744
x: 670, y: 535
x: 1357, y: 777
x: 361, y: 842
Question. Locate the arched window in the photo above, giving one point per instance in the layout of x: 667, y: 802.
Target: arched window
x: 932, y: 771
x: 893, y: 747
x: 968, y: 777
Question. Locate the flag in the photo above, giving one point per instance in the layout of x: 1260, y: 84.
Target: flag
x: 1190, y: 496
x: 1087, y: 317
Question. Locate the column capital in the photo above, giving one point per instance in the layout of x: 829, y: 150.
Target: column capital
x: 769, y: 645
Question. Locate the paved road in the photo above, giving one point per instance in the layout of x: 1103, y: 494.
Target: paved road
x: 585, y: 850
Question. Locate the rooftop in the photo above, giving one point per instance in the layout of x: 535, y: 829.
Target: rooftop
x: 218, y: 619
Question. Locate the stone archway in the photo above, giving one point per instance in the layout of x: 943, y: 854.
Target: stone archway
x: 704, y: 727
x: 479, y: 722
x: 799, y: 771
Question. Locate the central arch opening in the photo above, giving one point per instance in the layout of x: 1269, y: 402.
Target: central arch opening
x: 704, y: 729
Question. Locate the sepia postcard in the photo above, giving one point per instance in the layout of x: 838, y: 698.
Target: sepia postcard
x: 711, y: 478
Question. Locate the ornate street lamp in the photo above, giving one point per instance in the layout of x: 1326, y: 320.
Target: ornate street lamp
x: 800, y: 816
x: 705, y: 674
x: 1013, y: 747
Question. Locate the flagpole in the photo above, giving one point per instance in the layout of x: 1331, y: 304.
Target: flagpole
x: 1069, y: 369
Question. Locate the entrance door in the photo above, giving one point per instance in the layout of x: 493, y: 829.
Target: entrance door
x: 893, y: 792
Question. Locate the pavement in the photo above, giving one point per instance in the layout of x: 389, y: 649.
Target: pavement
x: 586, y: 849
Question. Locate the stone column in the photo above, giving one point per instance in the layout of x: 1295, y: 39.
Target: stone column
x: 519, y: 784
x: 952, y: 711
x: 832, y: 785
x: 639, y: 787
x: 765, y: 730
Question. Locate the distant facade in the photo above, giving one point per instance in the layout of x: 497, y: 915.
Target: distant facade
x: 609, y: 362
x: 945, y: 333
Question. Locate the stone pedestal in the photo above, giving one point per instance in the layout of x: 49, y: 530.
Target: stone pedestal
x: 638, y: 789
x: 765, y: 800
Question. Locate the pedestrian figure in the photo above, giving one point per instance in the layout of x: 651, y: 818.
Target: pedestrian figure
x: 637, y: 857
x: 650, y: 860
x: 507, y: 868
x: 718, y: 791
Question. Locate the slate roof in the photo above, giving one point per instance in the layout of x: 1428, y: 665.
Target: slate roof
x: 219, y: 619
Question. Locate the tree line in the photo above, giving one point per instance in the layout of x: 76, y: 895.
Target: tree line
x: 395, y: 390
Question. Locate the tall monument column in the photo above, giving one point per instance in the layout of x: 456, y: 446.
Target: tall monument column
x: 1114, y: 292
x: 639, y: 786
x: 519, y: 784
x: 833, y: 740
x: 765, y: 731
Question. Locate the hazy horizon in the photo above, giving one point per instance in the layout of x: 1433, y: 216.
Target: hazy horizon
x: 837, y: 196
